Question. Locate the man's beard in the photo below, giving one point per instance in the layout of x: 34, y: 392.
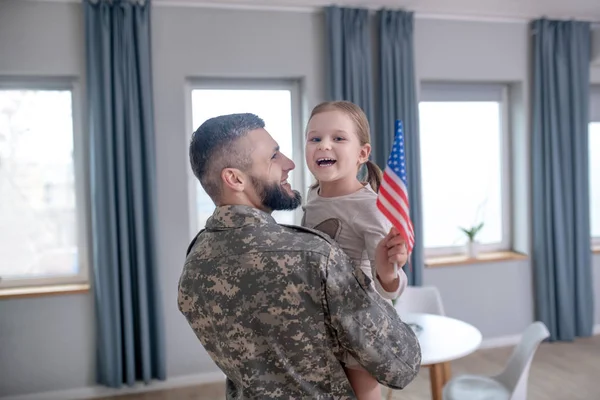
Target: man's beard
x: 274, y: 197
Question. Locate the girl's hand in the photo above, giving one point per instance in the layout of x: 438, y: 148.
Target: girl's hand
x: 390, y: 250
x: 397, y: 249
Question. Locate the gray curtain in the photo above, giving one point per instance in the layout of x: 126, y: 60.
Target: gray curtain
x: 349, y: 67
x: 130, y: 330
x: 564, y: 296
x: 398, y: 100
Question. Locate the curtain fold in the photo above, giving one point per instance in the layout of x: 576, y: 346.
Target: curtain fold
x: 129, y: 320
x: 398, y: 100
x: 564, y: 297
x: 349, y: 67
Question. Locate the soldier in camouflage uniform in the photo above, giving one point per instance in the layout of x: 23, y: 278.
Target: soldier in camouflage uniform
x: 276, y: 306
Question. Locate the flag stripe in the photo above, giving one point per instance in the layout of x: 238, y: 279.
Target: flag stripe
x: 399, y: 211
x: 393, y: 188
x: 401, y: 223
x: 392, y: 199
x: 395, y: 180
x: 409, y: 240
x: 385, y: 211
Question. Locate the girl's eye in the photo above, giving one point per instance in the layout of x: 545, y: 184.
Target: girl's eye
x: 314, y: 139
x: 339, y: 139
x: 274, y: 156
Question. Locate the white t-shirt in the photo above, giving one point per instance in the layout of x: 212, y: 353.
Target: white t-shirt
x: 357, y: 225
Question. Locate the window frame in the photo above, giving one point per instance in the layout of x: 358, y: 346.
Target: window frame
x: 81, y: 169
x: 302, y: 175
x: 471, y: 92
x: 594, y: 116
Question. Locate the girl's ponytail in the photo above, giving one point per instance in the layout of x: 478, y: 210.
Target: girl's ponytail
x: 374, y: 175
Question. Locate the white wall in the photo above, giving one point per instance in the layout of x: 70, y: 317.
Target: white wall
x: 470, y: 51
x: 595, y: 78
x: 596, y: 284
x: 47, y: 343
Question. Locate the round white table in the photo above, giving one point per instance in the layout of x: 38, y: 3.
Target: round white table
x: 442, y: 339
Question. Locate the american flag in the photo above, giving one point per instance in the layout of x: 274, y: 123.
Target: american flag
x: 392, y: 199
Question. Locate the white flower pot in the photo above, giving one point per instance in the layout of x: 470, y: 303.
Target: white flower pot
x: 472, y: 249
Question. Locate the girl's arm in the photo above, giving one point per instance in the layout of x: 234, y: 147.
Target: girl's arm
x: 374, y: 227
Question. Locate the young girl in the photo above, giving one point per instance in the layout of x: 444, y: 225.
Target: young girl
x: 339, y: 204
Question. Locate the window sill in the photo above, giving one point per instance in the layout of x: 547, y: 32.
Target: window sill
x: 460, y: 259
x: 596, y: 249
x: 40, y: 291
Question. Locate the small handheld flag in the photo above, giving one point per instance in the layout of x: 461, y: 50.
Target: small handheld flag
x: 392, y: 199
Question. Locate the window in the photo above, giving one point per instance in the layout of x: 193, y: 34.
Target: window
x: 276, y: 102
x: 464, y: 166
x: 40, y: 222
x: 594, y: 161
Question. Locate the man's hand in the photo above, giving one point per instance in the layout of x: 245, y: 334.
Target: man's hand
x: 391, y: 249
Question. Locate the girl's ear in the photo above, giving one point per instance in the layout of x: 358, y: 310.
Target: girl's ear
x: 365, y: 152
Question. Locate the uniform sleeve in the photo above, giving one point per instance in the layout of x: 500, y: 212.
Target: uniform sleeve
x: 373, y: 227
x: 367, y: 326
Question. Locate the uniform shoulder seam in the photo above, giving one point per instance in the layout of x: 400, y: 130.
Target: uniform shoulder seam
x: 315, y: 232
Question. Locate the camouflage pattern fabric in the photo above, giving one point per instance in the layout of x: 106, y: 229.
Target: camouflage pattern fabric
x: 276, y: 306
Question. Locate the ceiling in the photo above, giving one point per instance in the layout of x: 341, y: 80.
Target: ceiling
x: 588, y: 10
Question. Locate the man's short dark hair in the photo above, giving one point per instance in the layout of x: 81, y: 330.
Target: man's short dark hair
x: 215, y: 146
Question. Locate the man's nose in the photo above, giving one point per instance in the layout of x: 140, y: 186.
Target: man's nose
x: 288, y: 164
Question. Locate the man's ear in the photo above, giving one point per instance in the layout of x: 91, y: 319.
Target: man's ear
x: 365, y: 151
x: 234, y: 179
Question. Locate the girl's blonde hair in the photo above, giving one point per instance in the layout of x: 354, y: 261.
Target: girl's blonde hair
x: 363, y: 131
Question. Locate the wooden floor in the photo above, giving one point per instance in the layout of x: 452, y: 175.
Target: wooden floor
x: 560, y: 371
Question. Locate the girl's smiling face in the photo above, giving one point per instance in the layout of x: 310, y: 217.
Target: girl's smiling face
x: 333, y: 150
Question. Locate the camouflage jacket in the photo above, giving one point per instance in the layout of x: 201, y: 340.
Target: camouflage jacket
x: 275, y: 307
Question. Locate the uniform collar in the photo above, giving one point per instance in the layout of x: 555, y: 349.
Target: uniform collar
x: 237, y: 216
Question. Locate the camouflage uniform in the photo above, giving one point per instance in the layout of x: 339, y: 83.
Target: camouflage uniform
x: 276, y: 306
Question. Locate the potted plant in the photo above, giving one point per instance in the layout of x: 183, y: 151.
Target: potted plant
x: 472, y: 244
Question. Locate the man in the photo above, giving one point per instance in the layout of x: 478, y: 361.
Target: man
x: 275, y: 306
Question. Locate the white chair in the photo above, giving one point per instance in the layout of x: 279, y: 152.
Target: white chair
x: 420, y: 299
x: 511, y: 383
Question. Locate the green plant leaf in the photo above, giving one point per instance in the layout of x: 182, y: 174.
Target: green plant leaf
x: 466, y: 231
x: 472, y: 232
x: 477, y: 228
